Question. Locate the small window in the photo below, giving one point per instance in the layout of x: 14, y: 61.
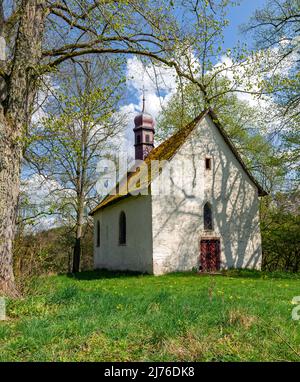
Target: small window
x: 98, y: 233
x: 147, y: 138
x: 207, y: 163
x: 138, y: 139
x: 122, y: 228
x: 207, y: 217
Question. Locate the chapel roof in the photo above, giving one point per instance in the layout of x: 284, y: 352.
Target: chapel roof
x: 166, y: 150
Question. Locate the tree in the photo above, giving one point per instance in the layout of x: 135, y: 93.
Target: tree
x: 66, y: 145
x: 275, y: 29
x: 280, y: 228
x: 20, y: 79
x: 43, y: 34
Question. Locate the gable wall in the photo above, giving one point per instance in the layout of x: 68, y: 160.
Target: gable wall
x: 136, y: 255
x: 178, y: 219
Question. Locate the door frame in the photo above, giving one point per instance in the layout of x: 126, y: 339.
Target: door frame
x: 217, y: 238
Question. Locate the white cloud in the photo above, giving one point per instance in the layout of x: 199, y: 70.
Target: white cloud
x: 154, y: 79
x: 124, y: 141
x: 248, y: 75
x: 237, y: 74
x: 158, y: 81
x: 37, y: 187
x: 44, y: 97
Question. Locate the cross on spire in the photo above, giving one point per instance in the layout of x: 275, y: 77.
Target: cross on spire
x: 144, y: 99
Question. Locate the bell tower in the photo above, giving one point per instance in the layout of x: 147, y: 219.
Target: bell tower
x: 143, y: 134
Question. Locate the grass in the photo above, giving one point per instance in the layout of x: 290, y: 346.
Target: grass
x: 101, y: 316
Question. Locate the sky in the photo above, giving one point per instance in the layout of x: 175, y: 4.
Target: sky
x: 239, y: 15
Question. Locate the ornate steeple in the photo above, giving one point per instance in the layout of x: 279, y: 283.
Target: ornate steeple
x: 144, y: 133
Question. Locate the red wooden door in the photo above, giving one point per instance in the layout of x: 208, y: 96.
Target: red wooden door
x: 210, y: 255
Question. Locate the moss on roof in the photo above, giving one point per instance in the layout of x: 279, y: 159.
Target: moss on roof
x: 165, y: 151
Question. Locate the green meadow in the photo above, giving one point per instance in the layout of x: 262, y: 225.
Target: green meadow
x: 102, y: 316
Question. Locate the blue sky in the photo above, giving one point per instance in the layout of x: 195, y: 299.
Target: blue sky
x: 239, y: 15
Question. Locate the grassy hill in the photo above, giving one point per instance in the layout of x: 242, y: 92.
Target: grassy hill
x: 100, y: 316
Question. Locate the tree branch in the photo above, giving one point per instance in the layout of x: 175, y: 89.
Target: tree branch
x: 150, y: 55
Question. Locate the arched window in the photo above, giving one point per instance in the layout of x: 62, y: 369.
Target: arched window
x: 98, y: 233
x: 207, y: 217
x: 208, y: 163
x: 122, y: 228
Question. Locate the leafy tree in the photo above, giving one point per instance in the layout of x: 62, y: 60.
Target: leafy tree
x: 275, y: 29
x: 67, y: 144
x: 280, y: 230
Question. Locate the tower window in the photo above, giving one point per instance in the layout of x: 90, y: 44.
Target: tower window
x: 207, y: 217
x: 138, y: 139
x: 147, y: 138
x: 98, y: 233
x: 122, y: 228
x: 208, y: 163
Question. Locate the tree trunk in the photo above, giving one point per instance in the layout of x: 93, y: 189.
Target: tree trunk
x: 81, y: 184
x: 15, y: 111
x: 10, y: 158
x: 79, y: 224
x: 77, y: 245
x: 76, y: 255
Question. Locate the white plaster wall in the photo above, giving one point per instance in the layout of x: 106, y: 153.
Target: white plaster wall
x: 136, y: 255
x: 178, y: 219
